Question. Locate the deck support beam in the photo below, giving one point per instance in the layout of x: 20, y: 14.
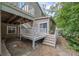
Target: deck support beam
x: 0, y: 32
x: 20, y: 30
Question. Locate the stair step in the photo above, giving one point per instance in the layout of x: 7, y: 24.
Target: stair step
x: 49, y: 44
x: 50, y: 35
x: 50, y: 38
x: 50, y: 41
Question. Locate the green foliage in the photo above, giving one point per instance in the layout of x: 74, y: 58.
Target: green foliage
x: 67, y: 18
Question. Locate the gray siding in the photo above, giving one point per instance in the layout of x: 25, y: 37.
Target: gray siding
x: 38, y: 12
x: 4, y: 32
x: 36, y: 24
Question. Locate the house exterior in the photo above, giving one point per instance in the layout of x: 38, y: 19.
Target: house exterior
x: 15, y: 13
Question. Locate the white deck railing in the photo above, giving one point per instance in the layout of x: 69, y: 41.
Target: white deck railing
x: 31, y: 32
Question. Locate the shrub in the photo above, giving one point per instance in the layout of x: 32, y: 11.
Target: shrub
x: 67, y: 18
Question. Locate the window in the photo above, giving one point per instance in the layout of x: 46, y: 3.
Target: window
x: 11, y: 30
x: 21, y: 4
x: 26, y: 7
x: 43, y: 27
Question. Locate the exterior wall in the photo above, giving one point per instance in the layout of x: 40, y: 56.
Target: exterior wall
x: 52, y: 27
x: 38, y: 12
x: 4, y: 32
x: 36, y: 24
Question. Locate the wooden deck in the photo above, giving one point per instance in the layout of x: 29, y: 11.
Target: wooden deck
x: 31, y: 35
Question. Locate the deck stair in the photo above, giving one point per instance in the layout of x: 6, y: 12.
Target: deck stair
x: 51, y: 39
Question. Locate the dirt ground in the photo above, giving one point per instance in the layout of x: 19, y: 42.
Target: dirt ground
x: 23, y: 48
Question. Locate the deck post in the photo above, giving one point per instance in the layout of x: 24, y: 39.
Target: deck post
x: 33, y: 44
x: 20, y: 30
x: 0, y: 32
